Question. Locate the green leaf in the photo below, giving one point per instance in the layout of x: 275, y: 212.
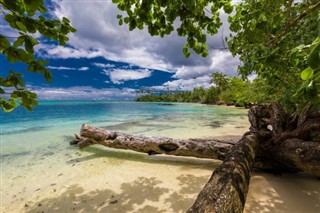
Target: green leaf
x: 126, y: 20
x: 73, y: 29
x: 24, y: 56
x: 21, y: 26
x: 64, y: 30
x: 62, y: 40
x: 48, y: 76
x: 307, y: 73
x: 42, y: 9
x: 4, y: 43
x: 7, y: 105
x: 228, y: 8
x: 65, y: 20
x: 19, y: 41
x: 28, y: 46
x: 30, y: 25
x: 313, y: 59
x: 10, y: 18
x: 132, y: 25
x: 33, y: 40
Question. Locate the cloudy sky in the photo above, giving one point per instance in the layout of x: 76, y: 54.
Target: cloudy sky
x: 103, y: 60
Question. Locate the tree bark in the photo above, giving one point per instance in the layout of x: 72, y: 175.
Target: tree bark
x: 287, y: 143
x: 215, y: 149
x: 228, y: 186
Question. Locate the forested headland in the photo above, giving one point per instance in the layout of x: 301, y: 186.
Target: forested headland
x: 226, y: 90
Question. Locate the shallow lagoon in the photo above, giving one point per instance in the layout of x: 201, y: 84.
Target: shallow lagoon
x: 41, y: 172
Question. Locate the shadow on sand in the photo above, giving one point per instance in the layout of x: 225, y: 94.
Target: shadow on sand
x: 143, y: 195
x: 109, y: 153
x: 282, y: 194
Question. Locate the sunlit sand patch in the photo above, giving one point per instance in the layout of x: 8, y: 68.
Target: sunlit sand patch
x: 283, y: 194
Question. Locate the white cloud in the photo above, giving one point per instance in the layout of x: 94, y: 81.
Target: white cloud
x: 118, y: 76
x: 99, y: 35
x: 68, y: 52
x: 83, y: 93
x: 107, y: 39
x: 101, y: 65
x: 224, y: 62
x: 191, y: 72
x: 68, y: 68
x: 84, y: 68
x: 182, y: 84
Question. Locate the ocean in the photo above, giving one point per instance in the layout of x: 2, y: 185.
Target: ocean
x: 41, y: 172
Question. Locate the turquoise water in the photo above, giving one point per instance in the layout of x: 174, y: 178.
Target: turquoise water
x: 36, y: 157
x: 52, y: 124
x: 122, y: 116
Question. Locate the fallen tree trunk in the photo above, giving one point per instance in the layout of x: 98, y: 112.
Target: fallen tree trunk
x: 228, y: 186
x: 291, y: 155
x: 276, y: 142
x: 215, y: 149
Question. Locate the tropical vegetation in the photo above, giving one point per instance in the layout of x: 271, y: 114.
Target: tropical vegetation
x: 26, y: 18
x: 227, y: 90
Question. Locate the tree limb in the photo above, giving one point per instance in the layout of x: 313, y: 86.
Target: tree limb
x: 295, y: 22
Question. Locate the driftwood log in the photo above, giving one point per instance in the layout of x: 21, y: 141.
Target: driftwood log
x: 215, y: 149
x: 276, y: 142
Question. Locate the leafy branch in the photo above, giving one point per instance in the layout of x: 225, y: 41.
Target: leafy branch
x: 21, y: 16
x: 294, y: 22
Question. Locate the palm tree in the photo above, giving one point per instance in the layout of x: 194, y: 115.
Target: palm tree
x: 220, y: 80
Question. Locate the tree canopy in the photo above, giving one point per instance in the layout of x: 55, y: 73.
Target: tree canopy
x: 278, y: 40
x: 26, y: 18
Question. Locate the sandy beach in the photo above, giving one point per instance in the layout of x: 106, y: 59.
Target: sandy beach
x: 99, y: 179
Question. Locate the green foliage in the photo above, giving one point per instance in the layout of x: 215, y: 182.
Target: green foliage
x: 278, y: 40
x: 198, y: 95
x: 197, y: 19
x: 310, y: 87
x: 236, y: 91
x: 21, y: 17
x: 220, y: 80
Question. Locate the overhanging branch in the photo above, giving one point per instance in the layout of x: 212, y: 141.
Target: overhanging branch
x: 295, y: 22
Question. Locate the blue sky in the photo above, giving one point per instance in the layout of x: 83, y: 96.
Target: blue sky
x: 106, y: 61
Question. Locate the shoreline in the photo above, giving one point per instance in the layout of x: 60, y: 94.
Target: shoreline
x: 42, y: 172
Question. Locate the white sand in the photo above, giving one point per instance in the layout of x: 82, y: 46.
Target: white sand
x: 95, y: 181
x: 104, y: 180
